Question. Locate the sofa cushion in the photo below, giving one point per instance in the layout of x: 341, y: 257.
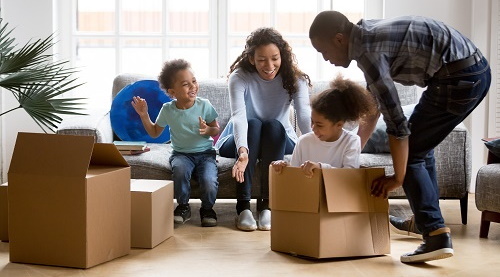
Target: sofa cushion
x: 379, y: 141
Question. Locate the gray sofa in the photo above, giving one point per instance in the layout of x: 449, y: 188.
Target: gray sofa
x: 453, y: 158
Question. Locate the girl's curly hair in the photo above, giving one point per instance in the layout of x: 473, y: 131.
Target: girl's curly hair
x: 289, y: 70
x: 344, y: 101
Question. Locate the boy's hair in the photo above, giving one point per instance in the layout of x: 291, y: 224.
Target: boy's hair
x: 168, y: 72
x: 344, y: 101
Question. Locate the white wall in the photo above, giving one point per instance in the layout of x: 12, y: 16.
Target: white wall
x: 471, y: 18
x: 30, y: 20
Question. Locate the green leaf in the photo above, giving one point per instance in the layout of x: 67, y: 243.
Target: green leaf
x: 36, y: 81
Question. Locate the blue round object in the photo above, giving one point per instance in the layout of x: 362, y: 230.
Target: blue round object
x: 125, y: 121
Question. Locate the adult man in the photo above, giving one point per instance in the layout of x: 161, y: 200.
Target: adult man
x: 412, y: 51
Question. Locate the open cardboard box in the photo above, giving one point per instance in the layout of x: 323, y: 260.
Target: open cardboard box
x: 4, y: 231
x: 329, y: 215
x: 69, y: 201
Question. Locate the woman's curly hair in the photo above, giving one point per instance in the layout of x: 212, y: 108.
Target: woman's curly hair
x: 346, y: 100
x: 289, y: 70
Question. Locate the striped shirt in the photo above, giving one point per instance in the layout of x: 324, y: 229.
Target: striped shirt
x: 408, y: 50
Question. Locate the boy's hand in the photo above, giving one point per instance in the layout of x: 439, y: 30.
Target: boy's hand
x: 308, y: 168
x: 278, y: 166
x: 203, y: 126
x: 140, y: 105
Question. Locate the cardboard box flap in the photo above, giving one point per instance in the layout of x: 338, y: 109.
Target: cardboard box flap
x: 292, y: 191
x: 51, y: 154
x: 107, y: 154
x: 348, y: 190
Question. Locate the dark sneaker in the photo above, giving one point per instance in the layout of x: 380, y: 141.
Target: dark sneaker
x: 404, y: 226
x: 208, y: 217
x: 182, y: 213
x: 437, y: 245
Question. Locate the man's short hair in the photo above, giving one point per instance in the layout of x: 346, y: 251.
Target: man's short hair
x: 328, y: 23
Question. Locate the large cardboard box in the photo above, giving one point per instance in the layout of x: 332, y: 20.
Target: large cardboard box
x: 69, y: 201
x: 4, y: 233
x: 152, y: 212
x: 329, y: 215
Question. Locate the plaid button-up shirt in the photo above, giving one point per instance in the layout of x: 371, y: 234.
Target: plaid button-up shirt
x: 408, y: 50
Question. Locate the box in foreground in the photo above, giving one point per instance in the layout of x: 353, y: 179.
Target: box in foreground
x: 69, y: 201
x: 329, y: 215
x: 152, y: 212
x: 4, y: 207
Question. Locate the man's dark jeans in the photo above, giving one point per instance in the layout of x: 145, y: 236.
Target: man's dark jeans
x: 445, y: 103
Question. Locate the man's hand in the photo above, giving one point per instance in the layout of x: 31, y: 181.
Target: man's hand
x: 383, y: 185
x: 278, y: 166
x: 239, y: 167
x: 308, y: 168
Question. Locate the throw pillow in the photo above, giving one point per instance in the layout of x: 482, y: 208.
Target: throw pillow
x: 494, y: 147
x: 379, y: 141
x: 125, y: 121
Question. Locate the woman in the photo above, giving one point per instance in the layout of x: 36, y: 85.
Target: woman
x: 263, y: 82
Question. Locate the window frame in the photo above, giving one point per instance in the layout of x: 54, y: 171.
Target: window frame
x: 218, y: 32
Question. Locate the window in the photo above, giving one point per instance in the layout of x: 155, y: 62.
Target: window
x: 109, y: 37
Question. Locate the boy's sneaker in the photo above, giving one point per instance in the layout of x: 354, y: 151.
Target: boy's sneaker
x: 208, y: 217
x: 437, y: 245
x: 404, y: 226
x: 182, y: 213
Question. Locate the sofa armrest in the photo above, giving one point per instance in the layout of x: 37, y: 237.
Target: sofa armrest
x: 98, y: 126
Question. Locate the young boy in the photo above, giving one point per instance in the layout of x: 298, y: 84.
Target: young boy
x: 192, y: 122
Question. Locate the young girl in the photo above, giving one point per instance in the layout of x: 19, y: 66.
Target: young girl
x: 329, y: 145
x: 192, y: 122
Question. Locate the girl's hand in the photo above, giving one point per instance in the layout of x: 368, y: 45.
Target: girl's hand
x: 140, y: 105
x: 239, y: 167
x: 308, y: 168
x: 278, y: 166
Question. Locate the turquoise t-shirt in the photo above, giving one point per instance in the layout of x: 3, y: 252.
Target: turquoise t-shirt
x: 185, y: 126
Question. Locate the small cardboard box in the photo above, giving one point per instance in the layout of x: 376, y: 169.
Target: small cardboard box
x: 329, y: 215
x: 69, y: 201
x: 152, y: 212
x: 4, y: 208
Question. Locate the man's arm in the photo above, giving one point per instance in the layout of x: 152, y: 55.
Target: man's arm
x: 399, y: 152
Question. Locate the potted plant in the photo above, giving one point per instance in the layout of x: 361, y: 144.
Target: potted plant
x: 36, y: 81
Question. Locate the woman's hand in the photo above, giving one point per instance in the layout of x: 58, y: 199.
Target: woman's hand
x: 240, y: 166
x: 308, y: 168
x: 383, y: 185
x: 140, y: 105
x: 278, y: 165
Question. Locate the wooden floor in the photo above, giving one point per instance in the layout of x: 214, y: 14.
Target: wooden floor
x: 225, y: 251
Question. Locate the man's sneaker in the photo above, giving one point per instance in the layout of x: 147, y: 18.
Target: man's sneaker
x: 182, y: 213
x: 404, y: 226
x: 245, y: 221
x: 437, y: 245
x: 208, y: 217
x: 265, y: 220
